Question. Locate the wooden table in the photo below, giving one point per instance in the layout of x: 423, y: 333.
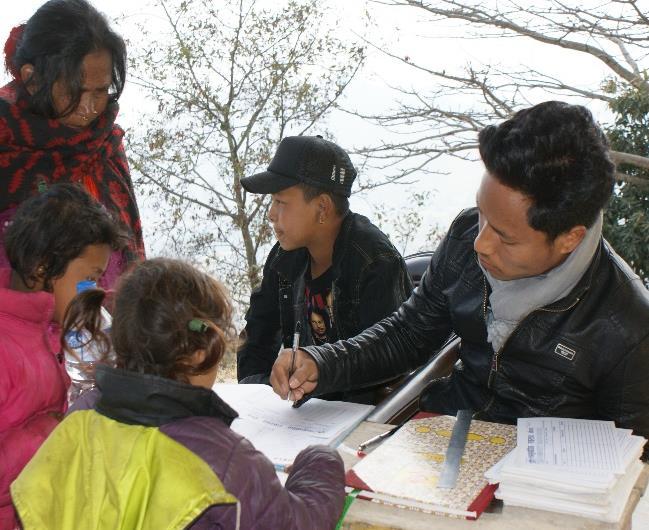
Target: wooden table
x: 367, y: 515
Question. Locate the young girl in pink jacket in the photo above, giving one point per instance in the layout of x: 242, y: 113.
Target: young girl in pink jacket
x: 56, y: 239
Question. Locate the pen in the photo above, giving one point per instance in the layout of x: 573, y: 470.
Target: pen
x: 297, y: 404
x: 377, y: 438
x: 296, y: 345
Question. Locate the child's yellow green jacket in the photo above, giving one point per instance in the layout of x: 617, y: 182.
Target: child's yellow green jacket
x: 156, y: 454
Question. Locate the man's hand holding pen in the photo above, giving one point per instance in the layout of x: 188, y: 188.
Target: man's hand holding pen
x: 303, y: 379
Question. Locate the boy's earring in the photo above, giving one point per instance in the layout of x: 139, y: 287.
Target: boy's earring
x: 321, y: 220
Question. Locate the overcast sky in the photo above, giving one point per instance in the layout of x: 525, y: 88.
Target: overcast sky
x: 403, y: 32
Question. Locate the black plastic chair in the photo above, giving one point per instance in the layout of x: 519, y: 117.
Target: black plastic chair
x: 418, y: 264
x: 402, y: 396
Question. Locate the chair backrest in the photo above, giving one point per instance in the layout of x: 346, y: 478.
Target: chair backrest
x: 417, y: 265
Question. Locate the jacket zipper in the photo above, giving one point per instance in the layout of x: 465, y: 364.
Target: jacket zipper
x: 334, y: 313
x: 496, y: 356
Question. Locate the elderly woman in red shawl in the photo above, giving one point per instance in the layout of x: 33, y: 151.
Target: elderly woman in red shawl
x: 57, y: 116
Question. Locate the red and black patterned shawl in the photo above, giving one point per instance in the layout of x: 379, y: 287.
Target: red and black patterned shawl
x: 35, y: 150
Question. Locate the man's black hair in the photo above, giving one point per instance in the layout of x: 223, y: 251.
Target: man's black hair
x: 557, y: 155
x: 55, y: 41
x: 50, y: 230
x: 341, y: 203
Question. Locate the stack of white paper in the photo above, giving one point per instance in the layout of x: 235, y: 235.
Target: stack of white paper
x: 580, y: 467
x: 280, y: 431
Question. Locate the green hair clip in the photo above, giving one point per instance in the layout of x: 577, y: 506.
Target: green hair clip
x: 198, y: 325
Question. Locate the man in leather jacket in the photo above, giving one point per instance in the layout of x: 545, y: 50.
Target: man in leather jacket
x: 331, y: 270
x: 552, y: 321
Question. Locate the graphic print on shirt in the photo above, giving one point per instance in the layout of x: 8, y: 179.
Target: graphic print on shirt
x: 319, y: 309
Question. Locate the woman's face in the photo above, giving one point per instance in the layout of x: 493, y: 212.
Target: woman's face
x: 96, y: 72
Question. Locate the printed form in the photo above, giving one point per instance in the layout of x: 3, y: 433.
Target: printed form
x: 569, y: 444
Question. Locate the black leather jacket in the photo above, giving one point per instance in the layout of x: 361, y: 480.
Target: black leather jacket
x: 585, y: 356
x: 370, y: 282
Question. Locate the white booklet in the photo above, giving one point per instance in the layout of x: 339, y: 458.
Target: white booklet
x: 278, y: 430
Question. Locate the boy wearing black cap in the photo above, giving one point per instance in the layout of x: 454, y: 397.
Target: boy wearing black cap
x: 331, y: 270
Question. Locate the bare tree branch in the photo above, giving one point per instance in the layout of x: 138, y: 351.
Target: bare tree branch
x: 615, y: 32
x: 628, y: 158
x: 227, y: 89
x: 557, y: 36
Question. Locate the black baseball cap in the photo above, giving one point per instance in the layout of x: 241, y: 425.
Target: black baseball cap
x: 311, y: 160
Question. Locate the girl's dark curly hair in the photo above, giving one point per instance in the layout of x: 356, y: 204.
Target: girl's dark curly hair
x: 50, y: 230
x: 154, y: 305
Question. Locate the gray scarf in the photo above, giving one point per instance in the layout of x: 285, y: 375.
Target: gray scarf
x: 512, y: 300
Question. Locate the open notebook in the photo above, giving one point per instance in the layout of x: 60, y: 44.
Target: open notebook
x: 278, y: 430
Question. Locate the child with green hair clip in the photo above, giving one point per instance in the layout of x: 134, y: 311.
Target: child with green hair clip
x: 152, y: 447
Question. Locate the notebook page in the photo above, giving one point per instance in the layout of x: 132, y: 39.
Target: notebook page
x: 278, y: 430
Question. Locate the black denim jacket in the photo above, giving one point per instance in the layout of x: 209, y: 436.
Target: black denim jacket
x: 370, y: 282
